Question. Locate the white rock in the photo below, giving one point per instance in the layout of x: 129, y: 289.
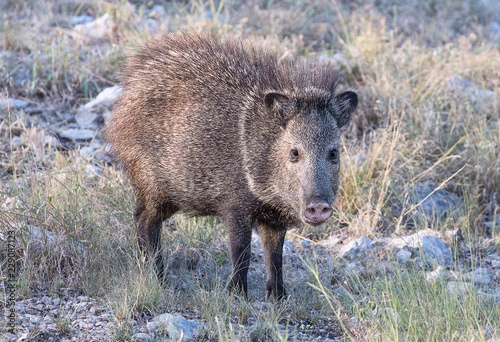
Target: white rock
x: 49, y: 140
x: 434, y: 275
x: 356, y: 248
x: 81, y: 19
x: 17, y: 141
x: 330, y: 241
x: 77, y: 134
x: 105, y: 97
x: 96, y: 29
x: 92, y: 170
x: 176, y: 326
x: 403, y: 255
x: 86, y: 151
x: 159, y: 10
x: 495, y: 263
x: 84, y: 118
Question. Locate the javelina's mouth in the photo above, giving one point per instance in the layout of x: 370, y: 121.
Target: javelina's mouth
x: 312, y: 223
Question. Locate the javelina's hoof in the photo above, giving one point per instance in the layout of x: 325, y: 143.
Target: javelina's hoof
x: 277, y: 292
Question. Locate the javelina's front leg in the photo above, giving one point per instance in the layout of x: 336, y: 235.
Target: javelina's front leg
x: 272, y: 240
x: 240, y: 237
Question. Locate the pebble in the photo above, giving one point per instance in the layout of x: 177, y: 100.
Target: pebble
x: 403, y: 255
x: 77, y: 134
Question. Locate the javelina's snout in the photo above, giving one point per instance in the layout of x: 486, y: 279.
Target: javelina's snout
x: 317, y: 212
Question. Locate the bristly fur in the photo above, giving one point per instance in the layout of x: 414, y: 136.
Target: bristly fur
x: 205, y: 125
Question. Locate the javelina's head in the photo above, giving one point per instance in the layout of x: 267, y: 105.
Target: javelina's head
x: 307, y: 153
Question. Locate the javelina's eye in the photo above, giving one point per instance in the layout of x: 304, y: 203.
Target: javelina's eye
x: 294, y: 154
x: 334, y: 155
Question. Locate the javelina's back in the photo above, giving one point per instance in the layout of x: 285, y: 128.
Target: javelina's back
x: 202, y: 127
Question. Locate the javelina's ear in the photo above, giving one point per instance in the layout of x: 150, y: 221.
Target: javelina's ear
x: 344, y: 104
x: 278, y: 104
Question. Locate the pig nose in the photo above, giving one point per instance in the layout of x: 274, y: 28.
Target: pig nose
x: 318, y: 212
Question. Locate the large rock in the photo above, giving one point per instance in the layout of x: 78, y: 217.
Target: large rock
x: 177, y: 327
x: 440, y: 203
x: 356, y: 248
x: 433, y: 248
x: 480, y: 276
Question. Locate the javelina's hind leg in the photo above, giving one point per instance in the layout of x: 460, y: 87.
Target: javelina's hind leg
x: 148, y: 224
x: 240, y: 237
x: 272, y: 240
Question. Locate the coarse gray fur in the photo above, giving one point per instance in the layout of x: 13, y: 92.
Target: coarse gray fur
x: 212, y: 125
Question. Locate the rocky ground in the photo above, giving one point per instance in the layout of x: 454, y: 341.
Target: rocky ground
x: 67, y: 316
x: 468, y: 263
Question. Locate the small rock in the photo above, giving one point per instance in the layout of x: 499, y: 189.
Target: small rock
x: 356, y: 248
x: 480, y: 276
x: 105, y: 97
x: 86, y: 151
x: 81, y: 19
x: 85, y: 118
x: 495, y: 263
x: 77, y: 134
x: 158, y: 10
x: 175, y: 325
x: 13, y: 103
x: 56, y: 301
x: 33, y: 318
x: 49, y: 140
x: 434, y: 275
x: 17, y: 141
x: 403, y: 255
x: 140, y: 337
x: 458, y: 287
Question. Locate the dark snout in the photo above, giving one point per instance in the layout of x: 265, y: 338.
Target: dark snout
x: 317, y: 212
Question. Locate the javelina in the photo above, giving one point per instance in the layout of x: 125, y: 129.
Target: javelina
x: 211, y: 125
